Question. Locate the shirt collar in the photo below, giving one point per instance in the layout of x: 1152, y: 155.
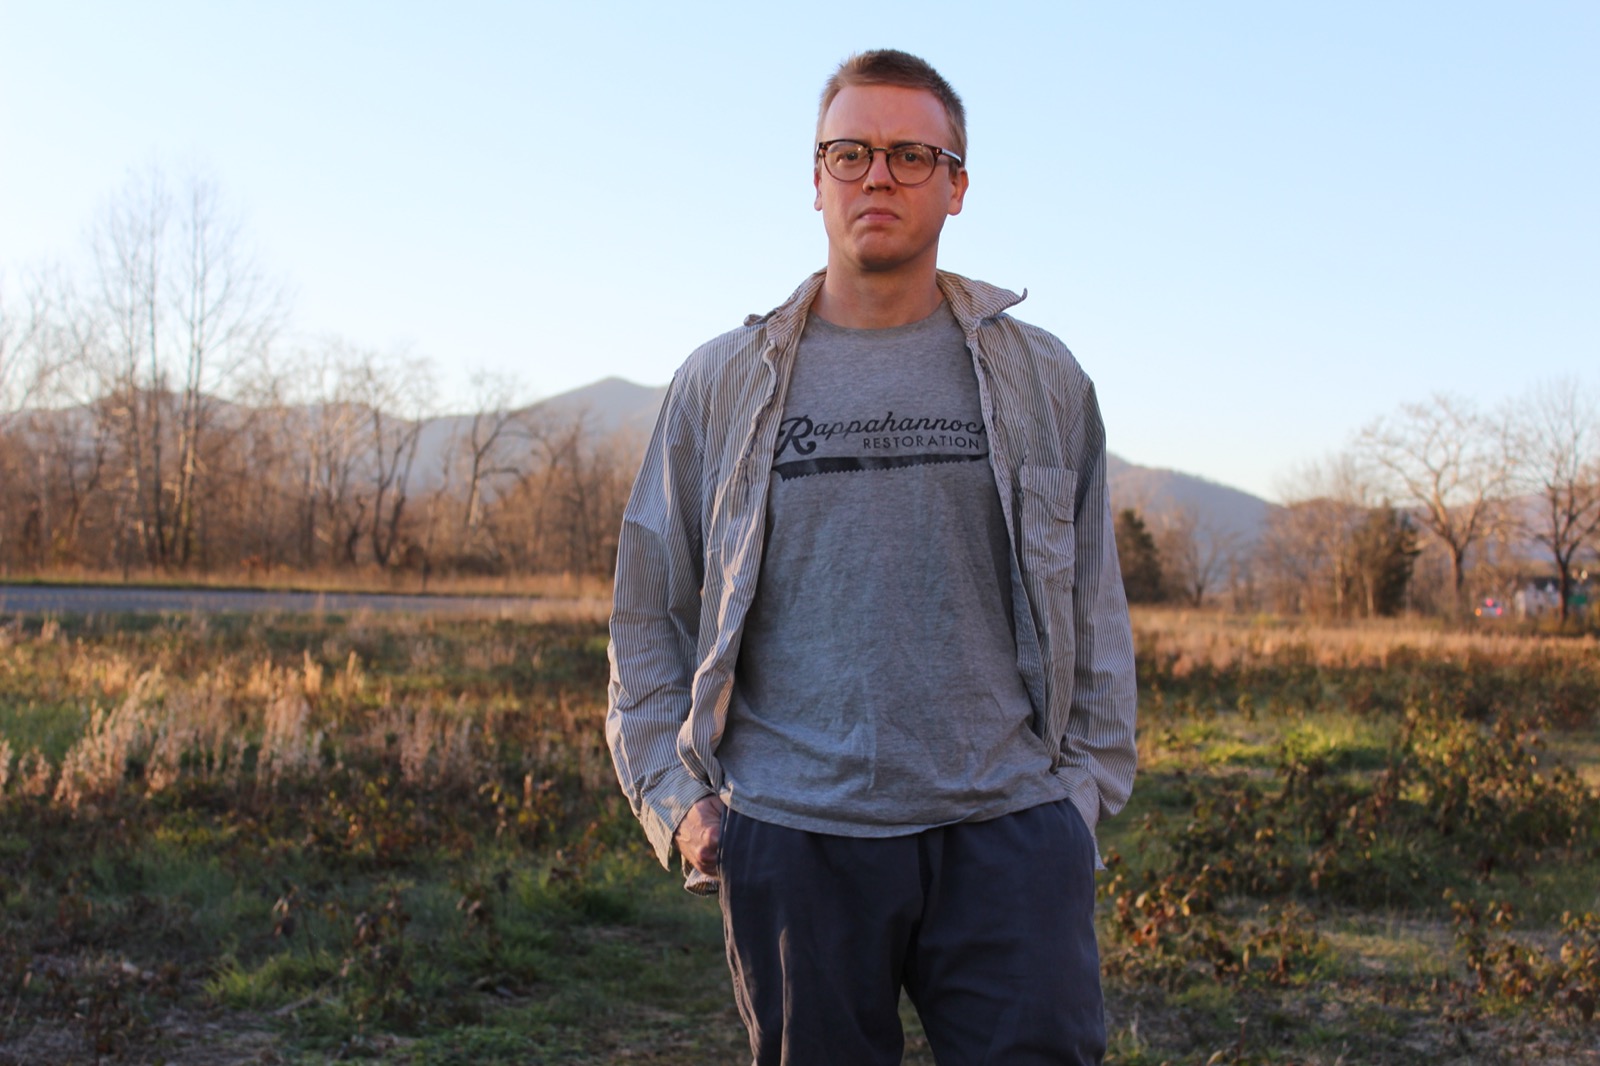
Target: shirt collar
x: 970, y: 301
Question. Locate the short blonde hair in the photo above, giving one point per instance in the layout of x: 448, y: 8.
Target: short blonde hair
x: 886, y: 66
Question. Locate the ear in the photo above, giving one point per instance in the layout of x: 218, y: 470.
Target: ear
x: 958, y: 191
x: 816, y: 183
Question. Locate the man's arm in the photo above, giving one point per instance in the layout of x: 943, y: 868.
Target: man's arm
x: 1100, y: 726
x: 655, y: 621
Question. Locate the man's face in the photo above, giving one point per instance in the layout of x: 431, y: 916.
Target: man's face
x: 875, y: 224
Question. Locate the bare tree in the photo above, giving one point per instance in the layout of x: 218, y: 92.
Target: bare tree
x: 1556, y: 446
x: 184, y: 303
x: 10, y: 372
x: 563, y: 512
x: 1299, y: 556
x: 18, y: 382
x: 130, y: 255
x: 1447, y: 461
x: 320, y: 421
x: 395, y: 398
x: 57, y: 453
x: 1304, y: 556
x: 484, y: 453
x: 226, y: 315
x: 24, y: 364
x: 264, y: 490
x: 1195, y: 554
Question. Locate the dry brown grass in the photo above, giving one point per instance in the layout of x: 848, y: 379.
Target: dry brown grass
x: 242, y: 718
x: 1188, y: 639
x: 366, y: 579
x: 245, y: 724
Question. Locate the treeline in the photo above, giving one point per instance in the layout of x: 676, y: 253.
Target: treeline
x: 157, y: 415
x: 1429, y: 510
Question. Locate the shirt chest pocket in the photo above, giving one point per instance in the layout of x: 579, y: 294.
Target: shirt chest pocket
x: 1049, y: 536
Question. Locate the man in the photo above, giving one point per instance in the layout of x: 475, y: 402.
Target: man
x: 872, y: 674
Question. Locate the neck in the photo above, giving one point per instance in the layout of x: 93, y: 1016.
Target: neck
x: 876, y: 301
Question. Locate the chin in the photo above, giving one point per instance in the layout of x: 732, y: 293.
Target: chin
x: 883, y: 264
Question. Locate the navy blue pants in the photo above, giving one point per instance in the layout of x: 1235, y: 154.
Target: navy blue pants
x: 988, y: 926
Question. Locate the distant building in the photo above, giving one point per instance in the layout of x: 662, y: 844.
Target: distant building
x: 1540, y: 597
x: 1536, y: 598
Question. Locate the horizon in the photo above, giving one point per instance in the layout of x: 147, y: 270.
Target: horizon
x: 1258, y: 229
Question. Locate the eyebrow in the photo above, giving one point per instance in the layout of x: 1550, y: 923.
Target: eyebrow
x: 896, y: 144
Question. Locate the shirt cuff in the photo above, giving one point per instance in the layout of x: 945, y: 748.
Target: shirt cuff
x: 666, y: 806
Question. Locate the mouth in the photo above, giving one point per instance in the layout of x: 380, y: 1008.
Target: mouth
x: 876, y: 214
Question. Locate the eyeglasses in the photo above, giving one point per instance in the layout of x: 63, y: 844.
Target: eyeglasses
x: 909, y: 164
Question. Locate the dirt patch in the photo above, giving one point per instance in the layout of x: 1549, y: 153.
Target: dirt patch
x: 175, y: 1038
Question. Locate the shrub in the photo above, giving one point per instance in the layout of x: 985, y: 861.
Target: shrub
x: 1517, y: 971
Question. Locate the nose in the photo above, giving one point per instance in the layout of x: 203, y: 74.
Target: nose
x: 878, y: 175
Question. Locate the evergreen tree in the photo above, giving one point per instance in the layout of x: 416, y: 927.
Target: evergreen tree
x: 1383, y: 549
x: 1141, y: 562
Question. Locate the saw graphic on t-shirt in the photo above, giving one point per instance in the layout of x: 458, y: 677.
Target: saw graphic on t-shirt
x: 887, y: 442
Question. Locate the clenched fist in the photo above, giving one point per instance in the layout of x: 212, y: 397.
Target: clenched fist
x: 699, y: 835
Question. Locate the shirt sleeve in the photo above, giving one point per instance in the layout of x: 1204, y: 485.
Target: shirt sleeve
x: 655, y: 622
x: 1100, y: 725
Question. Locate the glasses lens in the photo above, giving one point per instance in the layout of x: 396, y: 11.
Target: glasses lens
x: 911, y: 164
x: 847, y: 160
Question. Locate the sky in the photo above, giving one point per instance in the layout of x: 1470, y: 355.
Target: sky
x: 1258, y: 226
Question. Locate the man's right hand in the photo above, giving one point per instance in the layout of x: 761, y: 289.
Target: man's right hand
x: 699, y: 835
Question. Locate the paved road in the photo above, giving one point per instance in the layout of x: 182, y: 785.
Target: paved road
x: 118, y: 599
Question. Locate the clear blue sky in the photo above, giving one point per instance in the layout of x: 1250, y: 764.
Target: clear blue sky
x: 1258, y: 225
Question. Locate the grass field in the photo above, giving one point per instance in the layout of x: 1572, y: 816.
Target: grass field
x: 295, y: 840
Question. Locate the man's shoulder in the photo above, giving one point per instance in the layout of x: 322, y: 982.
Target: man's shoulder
x: 1010, y: 341
x: 1035, y: 339
x: 733, y: 352
x: 738, y: 351
x: 986, y: 310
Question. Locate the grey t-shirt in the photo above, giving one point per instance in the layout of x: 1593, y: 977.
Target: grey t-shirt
x: 877, y: 690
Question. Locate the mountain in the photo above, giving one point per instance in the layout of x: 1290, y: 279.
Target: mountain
x: 612, y: 404
x: 605, y: 407
x: 1220, y: 509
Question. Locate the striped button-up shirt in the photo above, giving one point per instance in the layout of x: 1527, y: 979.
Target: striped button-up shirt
x: 689, y: 555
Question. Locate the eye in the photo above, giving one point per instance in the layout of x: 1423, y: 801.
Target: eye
x: 847, y: 153
x: 915, y: 155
